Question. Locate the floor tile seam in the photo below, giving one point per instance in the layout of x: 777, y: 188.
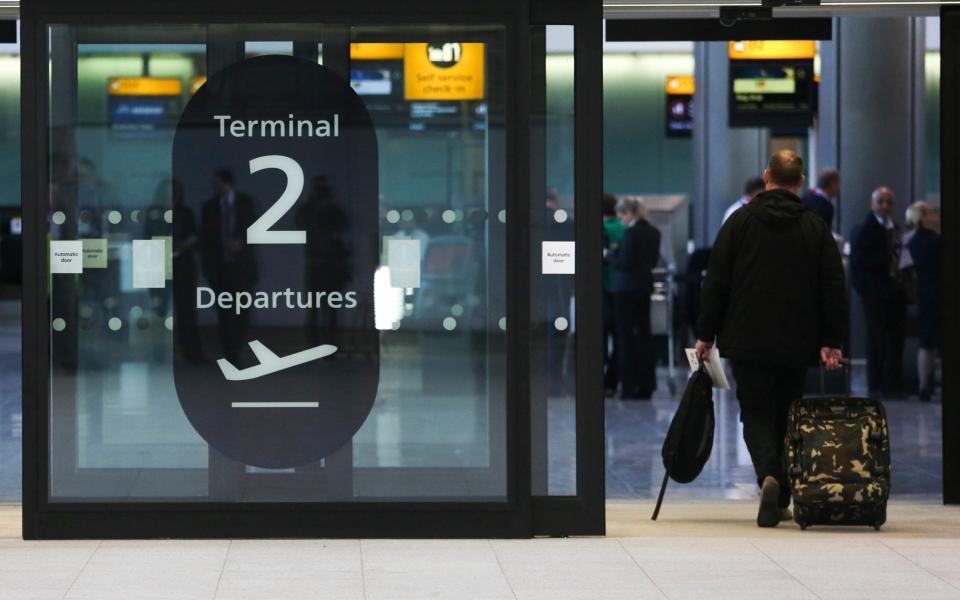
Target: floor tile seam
x: 918, y: 565
x: 784, y: 569
x: 82, y: 569
x: 363, y: 574
x: 634, y: 560
x: 506, y: 577
x: 223, y: 568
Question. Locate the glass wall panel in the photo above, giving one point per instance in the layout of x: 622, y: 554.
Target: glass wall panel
x: 152, y: 375
x: 553, y: 310
x: 11, y: 270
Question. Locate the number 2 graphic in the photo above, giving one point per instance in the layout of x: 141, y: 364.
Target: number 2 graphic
x: 259, y: 232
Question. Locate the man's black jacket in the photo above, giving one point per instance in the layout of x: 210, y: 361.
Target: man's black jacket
x: 243, y: 271
x: 871, y: 257
x: 774, y: 291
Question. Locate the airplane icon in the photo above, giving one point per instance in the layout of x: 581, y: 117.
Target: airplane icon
x: 270, y: 362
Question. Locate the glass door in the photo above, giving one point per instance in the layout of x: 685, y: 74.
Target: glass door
x: 276, y: 265
x: 566, y: 173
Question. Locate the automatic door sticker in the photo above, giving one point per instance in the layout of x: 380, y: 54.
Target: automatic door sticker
x: 275, y: 244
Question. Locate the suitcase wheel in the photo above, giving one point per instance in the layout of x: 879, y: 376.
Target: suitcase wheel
x: 876, y: 526
x: 803, y: 526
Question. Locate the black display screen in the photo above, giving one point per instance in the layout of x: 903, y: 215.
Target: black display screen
x: 679, y: 115
x: 772, y: 93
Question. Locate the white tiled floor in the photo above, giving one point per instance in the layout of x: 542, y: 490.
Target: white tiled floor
x: 835, y: 564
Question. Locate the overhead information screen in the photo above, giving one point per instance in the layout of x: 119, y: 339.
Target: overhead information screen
x: 772, y: 84
x: 421, y: 86
x: 143, y: 102
x: 679, y: 90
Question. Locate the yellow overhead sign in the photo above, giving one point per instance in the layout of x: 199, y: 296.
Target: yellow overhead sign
x: 773, y: 49
x: 376, y: 51
x: 443, y: 71
x: 144, y: 86
x: 680, y: 85
x: 196, y: 83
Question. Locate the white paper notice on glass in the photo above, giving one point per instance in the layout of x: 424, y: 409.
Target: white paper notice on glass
x: 149, y: 260
x: 713, y: 366
x: 66, y: 256
x: 403, y: 258
x: 559, y: 258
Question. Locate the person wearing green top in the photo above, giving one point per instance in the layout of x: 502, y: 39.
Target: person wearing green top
x: 613, y: 231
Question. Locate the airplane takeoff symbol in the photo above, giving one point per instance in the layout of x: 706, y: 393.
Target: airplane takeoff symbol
x: 270, y: 362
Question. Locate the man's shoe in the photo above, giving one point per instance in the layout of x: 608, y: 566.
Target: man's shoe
x: 786, y: 514
x: 769, y: 513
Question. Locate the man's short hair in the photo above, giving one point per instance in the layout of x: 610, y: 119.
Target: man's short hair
x: 827, y: 178
x: 785, y: 168
x: 754, y: 185
x: 882, y: 192
x: 225, y: 175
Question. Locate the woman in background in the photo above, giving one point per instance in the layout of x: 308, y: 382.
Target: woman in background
x: 925, y: 250
x: 633, y: 260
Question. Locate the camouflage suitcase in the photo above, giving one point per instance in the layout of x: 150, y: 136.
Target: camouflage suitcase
x: 838, y: 461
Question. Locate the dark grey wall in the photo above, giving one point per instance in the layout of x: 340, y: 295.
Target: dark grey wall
x: 724, y: 158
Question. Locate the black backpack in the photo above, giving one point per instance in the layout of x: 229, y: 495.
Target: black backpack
x: 690, y: 437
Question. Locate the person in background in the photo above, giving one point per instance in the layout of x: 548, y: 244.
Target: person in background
x: 633, y: 260
x: 875, y: 246
x: 926, y: 250
x: 613, y: 230
x: 227, y: 259
x: 184, y: 235
x: 820, y: 199
x: 774, y: 300
x: 751, y: 188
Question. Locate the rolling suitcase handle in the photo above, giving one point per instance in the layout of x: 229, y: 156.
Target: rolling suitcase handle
x: 845, y: 365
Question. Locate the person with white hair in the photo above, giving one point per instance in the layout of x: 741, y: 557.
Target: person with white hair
x: 926, y: 249
x: 875, y: 248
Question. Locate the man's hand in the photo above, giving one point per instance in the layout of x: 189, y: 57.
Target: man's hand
x: 703, y: 350
x: 830, y: 357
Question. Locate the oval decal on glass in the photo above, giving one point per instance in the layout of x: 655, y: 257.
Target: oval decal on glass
x: 275, y: 245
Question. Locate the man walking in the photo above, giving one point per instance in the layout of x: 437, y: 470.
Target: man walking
x: 774, y: 301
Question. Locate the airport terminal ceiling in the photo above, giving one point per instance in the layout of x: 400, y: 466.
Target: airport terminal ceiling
x: 687, y: 8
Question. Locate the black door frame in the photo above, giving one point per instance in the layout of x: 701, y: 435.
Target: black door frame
x: 949, y: 193
x: 43, y: 519
x: 585, y: 512
x: 712, y: 30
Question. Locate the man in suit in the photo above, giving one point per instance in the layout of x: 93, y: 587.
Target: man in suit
x: 228, y: 261
x: 775, y: 302
x: 821, y: 198
x: 875, y: 246
x: 633, y: 260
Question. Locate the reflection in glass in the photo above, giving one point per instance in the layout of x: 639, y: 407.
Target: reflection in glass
x: 437, y: 429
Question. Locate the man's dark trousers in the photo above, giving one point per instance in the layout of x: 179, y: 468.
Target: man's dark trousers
x: 635, y: 351
x: 765, y: 393
x: 611, y: 376
x: 886, y: 331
